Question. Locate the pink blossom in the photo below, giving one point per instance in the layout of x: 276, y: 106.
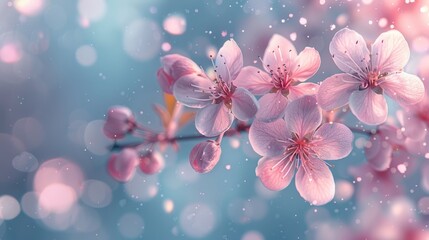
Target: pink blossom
x: 120, y: 121
x: 303, y: 143
x: 219, y: 99
x: 151, y: 163
x: 387, y: 141
x: 205, y: 155
x: 174, y: 66
x: 122, y: 166
x: 282, y: 81
x: 368, y: 75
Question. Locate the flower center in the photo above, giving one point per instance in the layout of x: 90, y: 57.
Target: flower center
x: 222, y: 92
x: 373, y: 80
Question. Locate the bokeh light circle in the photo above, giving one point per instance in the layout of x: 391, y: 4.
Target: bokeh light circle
x: 197, y: 220
x: 9, y: 207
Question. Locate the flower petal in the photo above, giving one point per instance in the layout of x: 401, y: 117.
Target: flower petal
x: 177, y: 66
x: 303, y: 115
x: 379, y: 157
x: 349, y: 52
x: 256, y: 81
x: 272, y: 106
x: 413, y: 126
x: 368, y: 106
x: 229, y: 61
x: 278, y: 53
x: 406, y: 89
x: 164, y: 80
x: 390, y: 52
x: 244, y: 104
x: 335, y: 91
x: 187, y: 90
x: 332, y: 141
x: 302, y: 90
x: 306, y: 64
x: 264, y: 137
x: 314, y: 182
x: 274, y: 175
x: 213, y: 119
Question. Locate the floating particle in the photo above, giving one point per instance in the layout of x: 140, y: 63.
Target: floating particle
x: 166, y: 46
x: 382, y: 22
x: 293, y: 36
x: 175, y: 24
x: 332, y: 27
x: 10, y: 53
x: 86, y: 55
x: 424, y: 9
x: 168, y: 206
x: 303, y: 21
x: 402, y: 168
x: 343, y: 190
x: 322, y: 2
x: 224, y: 33
x: 228, y: 167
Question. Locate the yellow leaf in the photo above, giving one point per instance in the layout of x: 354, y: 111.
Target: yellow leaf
x: 170, y: 103
x: 185, y: 118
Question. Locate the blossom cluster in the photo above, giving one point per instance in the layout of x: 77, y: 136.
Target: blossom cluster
x: 291, y: 123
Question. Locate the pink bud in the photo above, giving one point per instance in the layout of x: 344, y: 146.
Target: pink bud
x: 174, y: 66
x: 204, y: 156
x: 123, y: 165
x: 120, y: 121
x: 151, y: 163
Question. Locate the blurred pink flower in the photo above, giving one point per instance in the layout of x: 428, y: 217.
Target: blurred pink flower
x: 122, y: 166
x: 283, y: 83
x: 368, y: 75
x: 303, y: 143
x: 120, y: 121
x: 416, y: 117
x: 151, y: 163
x: 205, y: 155
x: 219, y: 99
x: 382, y: 145
x: 174, y: 66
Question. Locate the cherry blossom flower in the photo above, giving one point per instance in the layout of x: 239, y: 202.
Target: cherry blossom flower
x: 122, y: 166
x: 368, y: 75
x: 174, y: 66
x: 219, y: 100
x: 282, y: 81
x: 120, y: 121
x: 205, y: 155
x: 301, y: 142
x: 387, y: 143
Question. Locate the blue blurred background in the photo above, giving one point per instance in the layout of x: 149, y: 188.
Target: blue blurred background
x: 64, y: 63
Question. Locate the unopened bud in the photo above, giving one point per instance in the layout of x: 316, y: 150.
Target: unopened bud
x: 204, y: 156
x: 123, y: 165
x: 120, y: 121
x: 152, y: 163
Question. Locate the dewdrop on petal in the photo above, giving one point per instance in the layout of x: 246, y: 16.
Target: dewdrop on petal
x: 204, y: 156
x: 122, y: 166
x: 120, y: 121
x: 151, y: 163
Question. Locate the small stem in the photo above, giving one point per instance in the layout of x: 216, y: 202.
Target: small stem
x: 361, y: 131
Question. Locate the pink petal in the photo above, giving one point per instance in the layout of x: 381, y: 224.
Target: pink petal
x: 272, y: 106
x: 120, y: 121
x: 314, y: 182
x: 302, y: 90
x: 213, y: 119
x: 279, y: 51
x: 335, y: 91
x: 205, y: 156
x: 413, y: 126
x: 390, y: 52
x: 264, y: 137
x: 165, y: 81
x: 254, y: 80
x: 332, y: 141
x: 380, y: 157
x: 178, y: 66
x: 191, y: 90
x: 274, y: 175
x: 306, y: 64
x: 151, y: 163
x: 349, y: 52
x: 244, y: 104
x: 122, y: 166
x: 368, y: 106
x: 303, y: 115
x: 229, y: 61
x: 406, y: 89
